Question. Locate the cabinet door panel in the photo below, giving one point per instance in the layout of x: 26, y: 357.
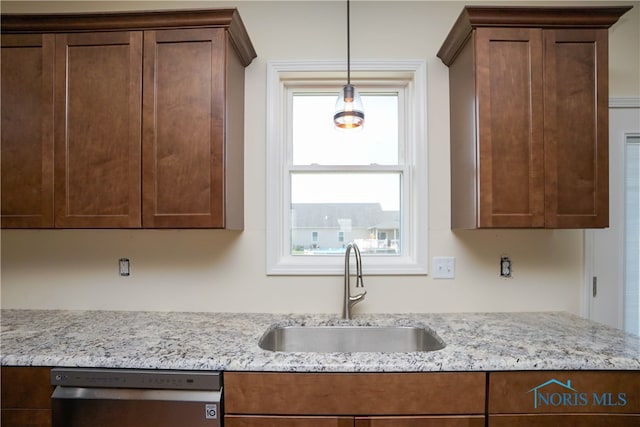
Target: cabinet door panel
x: 184, y: 102
x: 27, y: 131
x: 427, y: 421
x: 586, y: 420
x: 509, y: 96
x: 268, y: 421
x: 97, y: 137
x: 576, y: 128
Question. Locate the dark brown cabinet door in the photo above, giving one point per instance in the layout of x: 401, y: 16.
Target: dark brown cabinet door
x: 184, y: 128
x: 27, y: 131
x: 510, y: 127
x: 98, y: 94
x: 576, y: 118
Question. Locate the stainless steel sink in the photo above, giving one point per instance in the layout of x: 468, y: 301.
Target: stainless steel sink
x: 349, y: 339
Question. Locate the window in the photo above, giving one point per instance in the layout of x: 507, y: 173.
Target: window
x: 326, y: 188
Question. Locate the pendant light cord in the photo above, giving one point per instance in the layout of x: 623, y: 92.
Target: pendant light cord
x: 348, y: 42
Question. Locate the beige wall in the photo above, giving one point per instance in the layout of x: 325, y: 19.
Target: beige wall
x: 225, y: 271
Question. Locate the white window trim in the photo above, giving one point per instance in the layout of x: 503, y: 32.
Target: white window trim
x: 414, y: 260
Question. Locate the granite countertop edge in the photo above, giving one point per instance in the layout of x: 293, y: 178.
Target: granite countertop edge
x: 229, y: 342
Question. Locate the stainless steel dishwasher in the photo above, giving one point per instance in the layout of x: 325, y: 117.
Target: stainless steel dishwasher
x: 135, y: 398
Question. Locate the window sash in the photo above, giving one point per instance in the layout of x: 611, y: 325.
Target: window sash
x: 390, y: 209
x: 347, y: 140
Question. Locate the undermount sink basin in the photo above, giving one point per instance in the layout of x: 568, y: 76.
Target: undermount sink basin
x: 350, y: 339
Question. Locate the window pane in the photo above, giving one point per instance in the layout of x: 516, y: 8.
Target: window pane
x: 316, y: 141
x: 330, y: 210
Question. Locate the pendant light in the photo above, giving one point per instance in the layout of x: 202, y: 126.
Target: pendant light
x: 349, y: 111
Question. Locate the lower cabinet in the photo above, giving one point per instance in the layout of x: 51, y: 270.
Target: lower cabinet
x: 571, y: 398
x: 26, y: 397
x: 432, y: 399
x: 255, y: 399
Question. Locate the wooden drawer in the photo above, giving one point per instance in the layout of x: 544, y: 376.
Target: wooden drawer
x: 564, y: 392
x: 354, y: 394
x: 26, y: 387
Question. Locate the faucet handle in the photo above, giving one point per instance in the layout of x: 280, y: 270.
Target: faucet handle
x: 357, y: 298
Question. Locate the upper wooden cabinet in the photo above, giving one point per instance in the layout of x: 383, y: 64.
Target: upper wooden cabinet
x: 149, y: 120
x: 529, y: 116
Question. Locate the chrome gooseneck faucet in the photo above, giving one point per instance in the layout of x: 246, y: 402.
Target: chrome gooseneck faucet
x: 348, y: 300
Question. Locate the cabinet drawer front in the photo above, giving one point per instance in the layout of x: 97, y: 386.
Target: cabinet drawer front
x: 26, y: 388
x: 355, y: 394
x: 564, y: 391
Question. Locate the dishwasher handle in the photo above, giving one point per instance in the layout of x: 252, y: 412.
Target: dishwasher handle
x: 94, y: 393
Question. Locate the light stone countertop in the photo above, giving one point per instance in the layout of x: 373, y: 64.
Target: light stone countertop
x: 229, y: 341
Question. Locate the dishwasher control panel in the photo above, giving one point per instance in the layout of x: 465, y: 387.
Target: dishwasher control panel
x: 136, y: 378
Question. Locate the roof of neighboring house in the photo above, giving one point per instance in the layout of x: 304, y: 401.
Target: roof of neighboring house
x: 327, y: 215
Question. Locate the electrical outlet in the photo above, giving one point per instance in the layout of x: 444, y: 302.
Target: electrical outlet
x: 124, y: 267
x: 444, y: 267
x: 505, y: 266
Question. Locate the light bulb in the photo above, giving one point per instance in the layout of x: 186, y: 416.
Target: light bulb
x: 349, y: 110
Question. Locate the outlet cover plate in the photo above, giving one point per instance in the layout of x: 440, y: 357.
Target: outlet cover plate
x: 444, y: 267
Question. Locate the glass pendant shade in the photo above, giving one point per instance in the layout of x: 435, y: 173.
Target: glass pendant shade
x: 349, y: 110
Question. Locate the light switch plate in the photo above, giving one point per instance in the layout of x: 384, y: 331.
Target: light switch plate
x: 444, y: 267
